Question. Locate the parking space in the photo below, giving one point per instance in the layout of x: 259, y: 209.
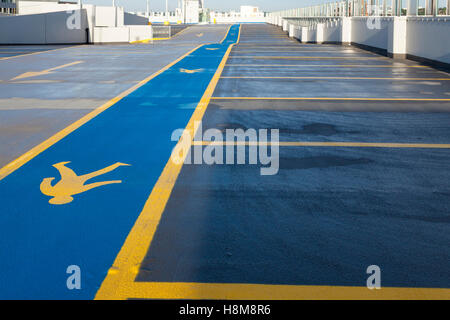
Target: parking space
x: 353, y: 171
x: 7, y: 52
x: 364, y: 151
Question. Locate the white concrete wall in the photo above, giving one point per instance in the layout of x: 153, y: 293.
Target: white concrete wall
x: 36, y: 7
x: 376, y: 36
x: 309, y: 34
x: 332, y: 31
x: 109, y: 16
x: 140, y: 33
x: 111, y: 34
x: 134, y: 19
x: 124, y: 34
x: 423, y: 37
x: 429, y: 38
x: 50, y: 28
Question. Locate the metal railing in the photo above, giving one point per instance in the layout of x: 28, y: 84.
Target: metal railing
x: 361, y: 8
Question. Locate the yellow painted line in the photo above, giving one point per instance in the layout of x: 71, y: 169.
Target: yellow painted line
x: 237, y: 291
x: 181, y: 32
x: 343, y: 78
x: 320, y: 98
x: 226, y: 33
x: 305, y: 58
x: 120, y: 278
x: 302, y: 51
x: 326, y: 65
x: 38, y: 52
x: 44, y: 72
x: 18, y: 52
x: 148, y: 40
x: 16, y: 164
x: 325, y: 144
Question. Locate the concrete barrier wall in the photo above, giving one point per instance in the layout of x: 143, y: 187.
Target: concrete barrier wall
x: 364, y: 32
x: 37, y: 7
x: 111, y: 34
x: 332, y: 31
x: 109, y: 16
x: 133, y: 19
x: 429, y: 38
x: 420, y: 38
x: 123, y: 34
x: 50, y: 28
x: 138, y: 33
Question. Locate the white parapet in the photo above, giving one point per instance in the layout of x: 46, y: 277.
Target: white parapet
x: 111, y: 34
x: 304, y: 36
x: 291, y: 30
x: 124, y: 34
x: 429, y: 38
x: 396, y: 45
x: 319, y: 32
x: 285, y: 25
x: 420, y: 38
x: 346, y: 33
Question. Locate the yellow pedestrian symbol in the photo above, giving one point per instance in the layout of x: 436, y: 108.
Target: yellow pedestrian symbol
x: 199, y: 35
x: 71, y: 184
x: 190, y: 71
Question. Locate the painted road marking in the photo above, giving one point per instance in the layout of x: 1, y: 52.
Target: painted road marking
x: 333, y: 98
x: 325, y: 66
x: 71, y: 183
x: 190, y: 71
x: 19, y: 162
x: 325, y: 144
x: 305, y: 58
x: 44, y: 72
x: 120, y: 278
x: 341, y: 78
x: 90, y: 230
x: 37, y: 52
x: 232, y: 291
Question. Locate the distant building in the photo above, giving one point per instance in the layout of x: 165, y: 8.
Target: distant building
x: 246, y: 14
x: 191, y: 10
x: 250, y: 11
x: 8, y: 7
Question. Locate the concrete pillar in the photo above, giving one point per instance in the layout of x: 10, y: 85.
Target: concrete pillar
x: 320, y: 33
x: 304, y: 37
x: 397, y: 38
x: 291, y: 30
x: 412, y: 8
x: 346, y: 36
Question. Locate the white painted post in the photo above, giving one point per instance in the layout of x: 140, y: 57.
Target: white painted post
x: 304, y: 37
x: 346, y: 30
x: 397, y: 37
x: 319, y: 33
x: 291, y: 30
x: 412, y: 8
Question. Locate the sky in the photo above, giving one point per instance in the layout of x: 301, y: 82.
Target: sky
x: 223, y: 5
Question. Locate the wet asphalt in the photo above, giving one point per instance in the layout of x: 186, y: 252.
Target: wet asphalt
x: 329, y: 212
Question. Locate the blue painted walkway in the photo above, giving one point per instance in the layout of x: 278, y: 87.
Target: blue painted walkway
x: 40, y: 240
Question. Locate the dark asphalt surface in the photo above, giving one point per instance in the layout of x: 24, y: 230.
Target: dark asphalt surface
x: 330, y: 212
